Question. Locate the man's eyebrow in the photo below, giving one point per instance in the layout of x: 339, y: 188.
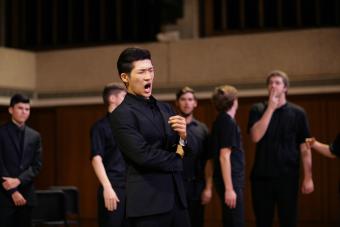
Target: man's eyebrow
x: 147, y: 68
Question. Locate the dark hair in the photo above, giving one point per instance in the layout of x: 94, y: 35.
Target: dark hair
x: 18, y: 98
x: 183, y: 91
x: 278, y: 73
x: 223, y: 97
x: 111, y: 89
x: 130, y: 55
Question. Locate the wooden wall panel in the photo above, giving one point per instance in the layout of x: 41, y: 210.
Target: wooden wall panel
x: 332, y: 167
x: 73, y: 156
x: 44, y: 121
x: 316, y: 115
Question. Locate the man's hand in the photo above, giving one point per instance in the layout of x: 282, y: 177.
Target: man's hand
x: 18, y: 199
x: 230, y: 198
x: 10, y: 183
x: 307, y: 186
x: 110, y: 198
x: 179, y: 125
x: 309, y: 142
x: 206, y: 196
x: 273, y: 100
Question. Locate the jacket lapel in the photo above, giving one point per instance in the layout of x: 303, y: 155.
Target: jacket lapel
x: 134, y: 104
x: 170, y: 135
x: 165, y: 116
x: 13, y: 137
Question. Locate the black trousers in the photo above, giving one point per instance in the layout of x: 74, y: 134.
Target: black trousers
x: 112, y: 218
x: 16, y: 216
x: 232, y: 217
x: 177, y: 217
x: 194, y: 190
x: 280, y: 193
x: 196, y: 213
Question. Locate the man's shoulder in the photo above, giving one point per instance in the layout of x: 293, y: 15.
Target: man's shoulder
x: 201, y: 125
x: 4, y: 127
x: 296, y: 108
x: 3, y: 130
x: 164, y: 105
x: 100, y: 123
x: 259, y: 106
x: 32, y: 131
x: 123, y: 107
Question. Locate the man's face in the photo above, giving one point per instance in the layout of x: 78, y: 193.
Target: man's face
x: 277, y: 86
x: 186, y: 104
x: 140, y: 79
x: 20, y: 112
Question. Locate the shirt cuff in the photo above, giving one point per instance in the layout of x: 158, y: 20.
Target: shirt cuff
x: 182, y: 142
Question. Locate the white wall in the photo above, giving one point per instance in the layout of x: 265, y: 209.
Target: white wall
x: 17, y: 69
x: 306, y: 55
x: 237, y: 59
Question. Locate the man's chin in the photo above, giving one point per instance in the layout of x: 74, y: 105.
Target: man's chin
x: 185, y: 114
x: 146, y: 95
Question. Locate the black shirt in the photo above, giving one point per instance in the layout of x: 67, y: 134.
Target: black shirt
x: 335, y: 146
x: 226, y: 134
x: 104, y: 144
x: 278, y: 151
x: 193, y: 162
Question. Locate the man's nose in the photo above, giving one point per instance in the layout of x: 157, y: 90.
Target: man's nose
x: 148, y: 76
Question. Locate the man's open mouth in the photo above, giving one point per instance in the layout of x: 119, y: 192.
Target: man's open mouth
x: 147, y: 86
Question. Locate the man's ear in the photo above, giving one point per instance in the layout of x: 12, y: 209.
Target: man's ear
x: 196, y: 103
x: 124, y: 77
x: 10, y: 110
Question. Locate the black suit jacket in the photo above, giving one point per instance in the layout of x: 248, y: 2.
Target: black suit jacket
x: 25, y: 166
x: 153, y: 173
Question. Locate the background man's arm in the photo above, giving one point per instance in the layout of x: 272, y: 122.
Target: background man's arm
x: 307, y: 183
x: 229, y: 194
x: 110, y: 197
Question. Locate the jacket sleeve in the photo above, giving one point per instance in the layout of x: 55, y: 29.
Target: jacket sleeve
x: 135, y: 148
x: 28, y: 175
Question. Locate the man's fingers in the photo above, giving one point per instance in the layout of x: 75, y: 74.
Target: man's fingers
x: 108, y: 204
x: 111, y: 204
x: 114, y: 205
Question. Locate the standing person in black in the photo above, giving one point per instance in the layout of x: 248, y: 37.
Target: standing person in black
x: 20, y: 163
x: 153, y: 140
x: 228, y: 156
x: 108, y: 163
x: 328, y: 150
x: 279, y: 129
x: 197, y: 169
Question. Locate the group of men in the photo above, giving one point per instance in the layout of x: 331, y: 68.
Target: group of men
x: 157, y: 167
x: 172, y: 162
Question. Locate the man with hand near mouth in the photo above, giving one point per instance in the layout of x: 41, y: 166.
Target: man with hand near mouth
x: 152, y: 139
x: 279, y: 129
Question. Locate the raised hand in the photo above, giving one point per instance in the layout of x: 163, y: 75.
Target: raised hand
x: 179, y: 125
x: 274, y: 99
